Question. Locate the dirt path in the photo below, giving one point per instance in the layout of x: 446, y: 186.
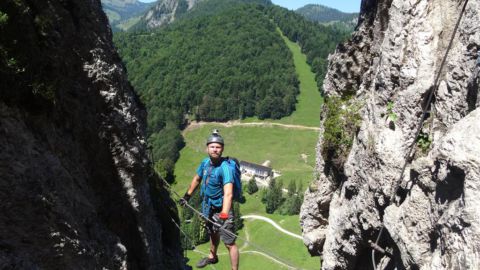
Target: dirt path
x: 245, y: 245
x: 233, y: 123
x: 273, y: 223
x: 247, y: 238
x: 245, y: 252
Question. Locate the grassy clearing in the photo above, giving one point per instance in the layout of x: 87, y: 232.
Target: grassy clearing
x: 254, y: 206
x: 128, y: 23
x: 310, y: 101
x: 283, y: 147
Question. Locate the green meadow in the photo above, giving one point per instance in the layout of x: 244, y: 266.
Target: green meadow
x: 290, y: 151
x: 267, y: 248
x: 309, y: 102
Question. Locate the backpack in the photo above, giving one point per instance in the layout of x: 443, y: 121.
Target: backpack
x: 237, y: 177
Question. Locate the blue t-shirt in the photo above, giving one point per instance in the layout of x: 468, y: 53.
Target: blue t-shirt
x: 220, y: 175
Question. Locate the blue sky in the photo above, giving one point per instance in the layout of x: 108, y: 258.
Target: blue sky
x: 342, y: 5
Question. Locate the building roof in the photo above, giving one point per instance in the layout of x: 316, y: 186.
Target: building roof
x: 255, y: 166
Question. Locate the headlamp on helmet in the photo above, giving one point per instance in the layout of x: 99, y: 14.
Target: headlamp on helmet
x: 215, y: 137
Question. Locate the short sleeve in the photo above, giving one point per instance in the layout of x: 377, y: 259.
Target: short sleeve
x: 227, y: 174
x: 200, y: 169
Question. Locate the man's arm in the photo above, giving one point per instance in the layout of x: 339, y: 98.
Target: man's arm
x: 186, y: 197
x: 227, y: 198
x: 195, y: 182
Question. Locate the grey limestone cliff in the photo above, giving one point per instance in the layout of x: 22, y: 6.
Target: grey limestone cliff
x: 166, y: 11
x: 430, y: 215
x: 75, y: 182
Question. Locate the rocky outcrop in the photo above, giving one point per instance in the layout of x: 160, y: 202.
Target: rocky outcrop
x: 166, y: 11
x: 75, y: 183
x: 122, y: 10
x: 430, y: 213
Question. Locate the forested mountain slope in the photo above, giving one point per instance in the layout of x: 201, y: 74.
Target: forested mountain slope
x: 233, y: 60
x: 217, y: 67
x: 163, y: 12
x: 220, y: 67
x: 317, y: 41
x: 167, y: 11
x: 120, y: 11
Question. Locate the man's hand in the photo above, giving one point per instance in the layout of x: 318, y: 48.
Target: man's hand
x: 184, y: 200
x: 219, y: 219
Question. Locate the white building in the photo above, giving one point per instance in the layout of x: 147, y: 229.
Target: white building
x: 251, y: 169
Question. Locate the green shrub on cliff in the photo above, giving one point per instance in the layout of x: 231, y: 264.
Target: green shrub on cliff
x: 342, y: 122
x: 3, y: 18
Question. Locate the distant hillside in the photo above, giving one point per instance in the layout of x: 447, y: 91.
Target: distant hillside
x: 230, y: 65
x: 166, y: 11
x: 323, y: 14
x: 316, y: 40
x: 121, y: 11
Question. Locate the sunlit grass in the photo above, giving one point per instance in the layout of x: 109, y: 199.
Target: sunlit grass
x: 309, y: 101
x: 292, y: 152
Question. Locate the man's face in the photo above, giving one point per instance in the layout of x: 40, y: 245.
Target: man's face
x: 215, y: 150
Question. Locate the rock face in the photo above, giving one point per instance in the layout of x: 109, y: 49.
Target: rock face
x: 166, y: 11
x: 74, y: 173
x: 430, y: 213
x: 122, y: 10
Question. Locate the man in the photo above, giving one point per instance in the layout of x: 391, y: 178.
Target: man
x: 216, y: 179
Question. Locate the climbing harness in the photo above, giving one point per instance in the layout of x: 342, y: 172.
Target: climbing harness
x: 375, y: 246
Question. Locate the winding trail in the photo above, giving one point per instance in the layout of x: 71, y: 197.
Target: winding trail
x: 274, y: 225
x: 269, y: 257
x: 246, y: 252
x: 233, y: 123
x: 247, y: 236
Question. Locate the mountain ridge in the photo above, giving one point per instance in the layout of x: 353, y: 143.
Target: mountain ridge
x: 167, y: 11
x: 121, y: 11
x: 321, y: 13
x: 327, y: 15
x: 124, y: 8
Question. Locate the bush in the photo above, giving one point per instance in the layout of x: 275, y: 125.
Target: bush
x: 342, y: 121
x: 424, y: 142
x: 252, y: 186
x: 3, y: 18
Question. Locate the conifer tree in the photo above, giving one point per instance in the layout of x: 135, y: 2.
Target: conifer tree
x: 274, y: 196
x: 292, y: 188
x: 237, y: 221
x: 252, y: 186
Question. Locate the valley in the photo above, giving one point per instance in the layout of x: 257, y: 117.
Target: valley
x: 253, y: 71
x: 255, y: 140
